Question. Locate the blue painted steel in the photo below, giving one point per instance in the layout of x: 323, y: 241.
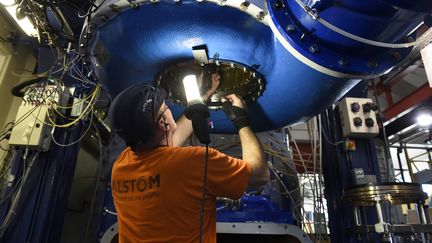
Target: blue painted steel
x: 331, y: 47
x: 106, y: 219
x: 269, y: 206
x: 255, y: 208
x: 337, y: 170
x: 41, y: 209
x: 250, y: 43
x: 376, y: 20
x: 111, y: 152
x: 140, y: 42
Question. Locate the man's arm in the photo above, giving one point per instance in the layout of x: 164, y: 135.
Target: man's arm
x: 183, y: 131
x: 184, y: 125
x: 252, y: 150
x: 253, y: 154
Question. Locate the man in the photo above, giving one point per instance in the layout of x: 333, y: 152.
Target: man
x: 157, y: 186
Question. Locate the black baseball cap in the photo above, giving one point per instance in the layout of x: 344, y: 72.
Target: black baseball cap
x: 133, y: 112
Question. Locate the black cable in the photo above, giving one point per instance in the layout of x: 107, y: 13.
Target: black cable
x: 14, y: 203
x: 203, y: 195
x: 17, y: 92
x: 5, y: 131
x: 90, y: 11
x: 17, y: 89
x: 13, y: 190
x: 74, y: 6
x: 26, y: 174
x: 37, y: 189
x: 5, y: 197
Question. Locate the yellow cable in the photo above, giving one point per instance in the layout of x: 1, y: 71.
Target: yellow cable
x: 96, y: 93
x: 84, y: 113
x: 79, y: 102
x: 59, y: 113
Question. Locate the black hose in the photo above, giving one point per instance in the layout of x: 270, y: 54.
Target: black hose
x: 17, y: 90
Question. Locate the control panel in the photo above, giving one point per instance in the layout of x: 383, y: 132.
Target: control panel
x: 358, y: 117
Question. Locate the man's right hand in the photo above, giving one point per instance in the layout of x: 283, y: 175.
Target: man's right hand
x: 235, y: 101
x: 251, y: 147
x: 234, y: 109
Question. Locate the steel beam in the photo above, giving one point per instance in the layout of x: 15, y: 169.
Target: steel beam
x: 414, y: 98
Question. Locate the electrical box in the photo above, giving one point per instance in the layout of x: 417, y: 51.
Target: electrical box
x: 30, y: 127
x: 358, y: 117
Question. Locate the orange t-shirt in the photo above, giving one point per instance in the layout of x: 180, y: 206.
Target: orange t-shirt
x: 157, y: 193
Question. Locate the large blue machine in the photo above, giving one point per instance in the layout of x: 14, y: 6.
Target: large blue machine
x: 308, y: 53
x: 290, y: 59
x: 298, y: 57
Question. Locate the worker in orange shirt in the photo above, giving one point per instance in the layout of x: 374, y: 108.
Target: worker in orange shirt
x: 157, y: 185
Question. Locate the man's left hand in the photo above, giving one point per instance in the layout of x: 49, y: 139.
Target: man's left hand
x: 215, y: 80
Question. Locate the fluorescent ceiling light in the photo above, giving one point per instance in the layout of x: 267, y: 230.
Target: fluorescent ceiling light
x: 424, y: 120
x: 24, y: 23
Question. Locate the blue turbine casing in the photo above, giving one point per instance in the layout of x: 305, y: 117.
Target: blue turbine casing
x: 254, y: 209
x: 306, y: 69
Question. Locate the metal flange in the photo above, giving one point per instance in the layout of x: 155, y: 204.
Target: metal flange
x: 395, y: 193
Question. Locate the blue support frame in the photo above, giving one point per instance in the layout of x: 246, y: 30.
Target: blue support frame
x: 337, y: 169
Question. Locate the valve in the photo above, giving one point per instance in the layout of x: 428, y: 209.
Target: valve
x: 357, y: 121
x: 355, y: 107
x: 369, y: 122
x: 369, y: 106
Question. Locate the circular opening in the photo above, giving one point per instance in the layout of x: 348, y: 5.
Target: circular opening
x: 235, y: 78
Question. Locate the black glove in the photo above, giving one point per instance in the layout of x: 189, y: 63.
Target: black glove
x: 236, y: 114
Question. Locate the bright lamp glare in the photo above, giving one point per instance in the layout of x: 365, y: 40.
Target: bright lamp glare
x: 25, y: 23
x: 424, y: 120
x: 7, y: 2
x: 191, y: 89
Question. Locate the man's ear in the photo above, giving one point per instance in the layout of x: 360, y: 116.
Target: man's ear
x: 163, y: 125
